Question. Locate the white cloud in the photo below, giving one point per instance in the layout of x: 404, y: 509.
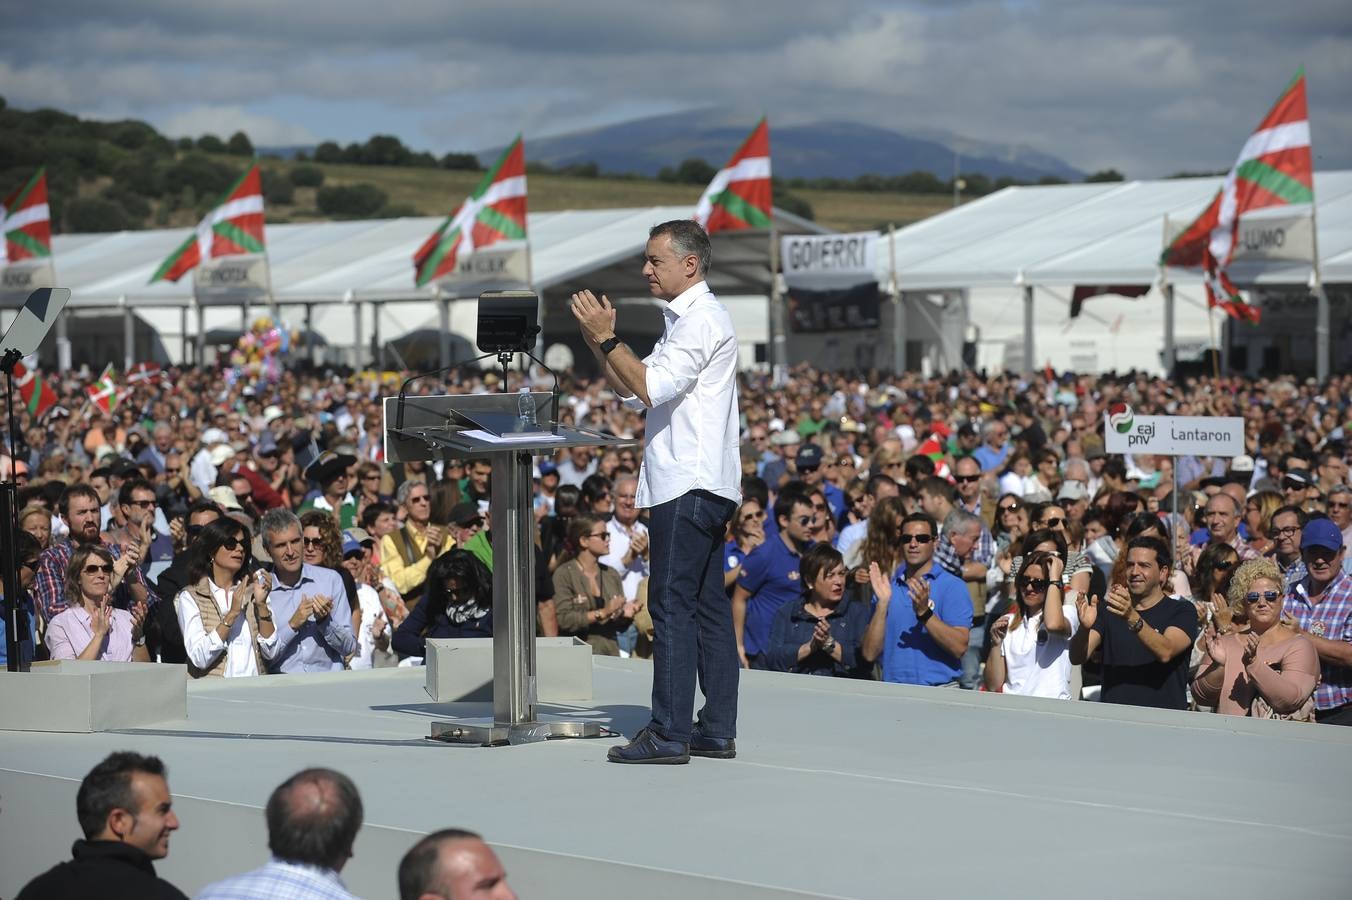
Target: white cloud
x: 224, y: 121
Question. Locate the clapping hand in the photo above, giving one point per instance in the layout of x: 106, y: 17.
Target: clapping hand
x: 1214, y: 644
x: 1249, y: 644
x: 595, y: 315
x: 302, y: 613
x: 101, y: 619
x: 1086, y: 609
x: 321, y: 605
x: 1000, y: 629
x: 614, y: 609
x: 1119, y: 601
x: 881, y: 584
x: 920, y: 594
x: 138, y: 619
x: 821, y: 634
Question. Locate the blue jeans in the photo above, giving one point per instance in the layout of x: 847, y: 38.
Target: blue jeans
x: 692, y: 618
x: 971, y: 660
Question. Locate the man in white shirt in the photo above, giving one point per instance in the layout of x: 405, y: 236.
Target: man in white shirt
x: 628, y: 538
x: 690, y: 481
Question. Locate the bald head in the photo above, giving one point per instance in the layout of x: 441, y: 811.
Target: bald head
x: 452, y: 864
x: 313, y: 818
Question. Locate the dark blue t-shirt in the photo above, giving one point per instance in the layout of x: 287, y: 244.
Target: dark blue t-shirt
x: 770, y: 574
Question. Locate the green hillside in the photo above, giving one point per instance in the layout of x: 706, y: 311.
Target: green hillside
x: 111, y: 176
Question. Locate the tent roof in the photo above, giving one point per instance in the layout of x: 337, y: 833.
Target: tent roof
x: 1108, y: 233
x: 330, y: 262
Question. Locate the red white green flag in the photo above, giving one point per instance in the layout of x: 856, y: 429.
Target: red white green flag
x: 1221, y: 292
x: 233, y: 228
x: 1275, y: 168
x: 494, y: 211
x: 26, y: 222
x: 36, y: 394
x: 104, y: 393
x: 739, y: 197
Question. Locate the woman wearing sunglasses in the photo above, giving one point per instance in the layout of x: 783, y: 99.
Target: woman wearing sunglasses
x: 90, y: 628
x: 1030, y: 647
x: 1269, y: 670
x: 224, y: 611
x: 588, y: 596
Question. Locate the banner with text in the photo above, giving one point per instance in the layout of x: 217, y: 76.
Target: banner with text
x: 1126, y: 432
x: 831, y: 281
x: 19, y: 279
x: 1264, y: 236
x: 503, y: 266
x: 231, y: 280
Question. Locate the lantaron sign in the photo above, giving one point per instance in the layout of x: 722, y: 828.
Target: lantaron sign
x: 1125, y: 432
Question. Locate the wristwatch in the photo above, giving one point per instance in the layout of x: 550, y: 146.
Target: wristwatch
x: 925, y: 616
x: 830, y: 646
x: 609, y: 344
x: 1136, y: 626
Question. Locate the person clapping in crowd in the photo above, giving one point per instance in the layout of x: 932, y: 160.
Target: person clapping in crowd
x: 224, y: 615
x: 313, y: 620
x: 588, y: 595
x: 1030, y: 653
x: 90, y: 627
x: 1268, y: 669
x: 820, y: 633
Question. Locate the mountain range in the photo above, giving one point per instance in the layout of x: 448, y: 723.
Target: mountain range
x: 823, y: 149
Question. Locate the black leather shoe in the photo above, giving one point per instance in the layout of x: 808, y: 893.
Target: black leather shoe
x: 711, y: 747
x: 647, y: 747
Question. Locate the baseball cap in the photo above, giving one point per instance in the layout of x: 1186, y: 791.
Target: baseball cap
x: 809, y: 456
x: 1242, y: 463
x: 220, y: 453
x: 266, y: 444
x: 1299, y: 477
x: 465, y: 514
x: 547, y: 467
x: 786, y: 438
x: 350, y: 544
x: 1321, y: 533
x: 225, y: 497
x: 1072, y: 490
x: 272, y: 412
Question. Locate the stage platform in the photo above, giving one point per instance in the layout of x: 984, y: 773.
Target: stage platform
x: 840, y: 789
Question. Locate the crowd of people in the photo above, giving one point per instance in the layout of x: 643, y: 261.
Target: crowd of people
x: 967, y: 531
x: 125, y: 810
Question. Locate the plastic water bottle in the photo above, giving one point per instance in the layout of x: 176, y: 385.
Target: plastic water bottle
x: 525, y: 410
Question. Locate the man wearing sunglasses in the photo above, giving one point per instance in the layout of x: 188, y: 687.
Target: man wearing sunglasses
x: 1320, y: 605
x: 922, y: 615
x: 770, y: 576
x: 1145, y: 634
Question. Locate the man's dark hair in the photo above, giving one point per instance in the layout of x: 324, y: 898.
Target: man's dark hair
x: 688, y: 238
x: 374, y: 511
x: 919, y: 467
x: 108, y: 787
x: 1301, y: 517
x: 313, y: 818
x: 877, y: 481
x: 417, y: 870
x: 76, y: 490
x: 1114, y: 467
x: 202, y: 504
x: 939, y: 487
x: 130, y: 486
x: 790, y: 495
x: 932, y: 525
x: 1163, y: 557
x: 822, y: 557
x: 755, y: 488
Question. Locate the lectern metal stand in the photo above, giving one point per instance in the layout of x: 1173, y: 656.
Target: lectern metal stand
x: 442, y: 427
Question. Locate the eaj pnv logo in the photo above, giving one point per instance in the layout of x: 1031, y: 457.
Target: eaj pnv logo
x: 1120, y: 418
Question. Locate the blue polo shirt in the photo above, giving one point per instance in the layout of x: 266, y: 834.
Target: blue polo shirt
x: 770, y: 574
x: 910, y: 654
x: 835, y: 498
x: 990, y: 460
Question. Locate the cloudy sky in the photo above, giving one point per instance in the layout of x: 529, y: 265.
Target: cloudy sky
x: 1149, y: 87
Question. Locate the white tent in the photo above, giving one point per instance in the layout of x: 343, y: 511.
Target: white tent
x: 1053, y: 238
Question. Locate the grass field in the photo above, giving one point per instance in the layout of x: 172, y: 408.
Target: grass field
x: 433, y: 192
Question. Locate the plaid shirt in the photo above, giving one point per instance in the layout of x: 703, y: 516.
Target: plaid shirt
x: 983, y: 551
x: 280, y: 880
x: 49, y: 582
x: 1331, y: 619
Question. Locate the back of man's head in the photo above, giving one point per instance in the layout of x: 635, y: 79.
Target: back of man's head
x: 313, y: 818
x: 419, y: 872
x: 108, y: 787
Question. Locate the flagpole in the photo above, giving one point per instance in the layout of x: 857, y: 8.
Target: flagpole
x: 1321, y: 316
x: 1215, y: 351
x: 898, y: 313
x: 779, y: 368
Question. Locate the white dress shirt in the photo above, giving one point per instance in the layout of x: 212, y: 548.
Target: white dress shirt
x: 638, y: 569
x: 202, y: 645
x: 691, y: 437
